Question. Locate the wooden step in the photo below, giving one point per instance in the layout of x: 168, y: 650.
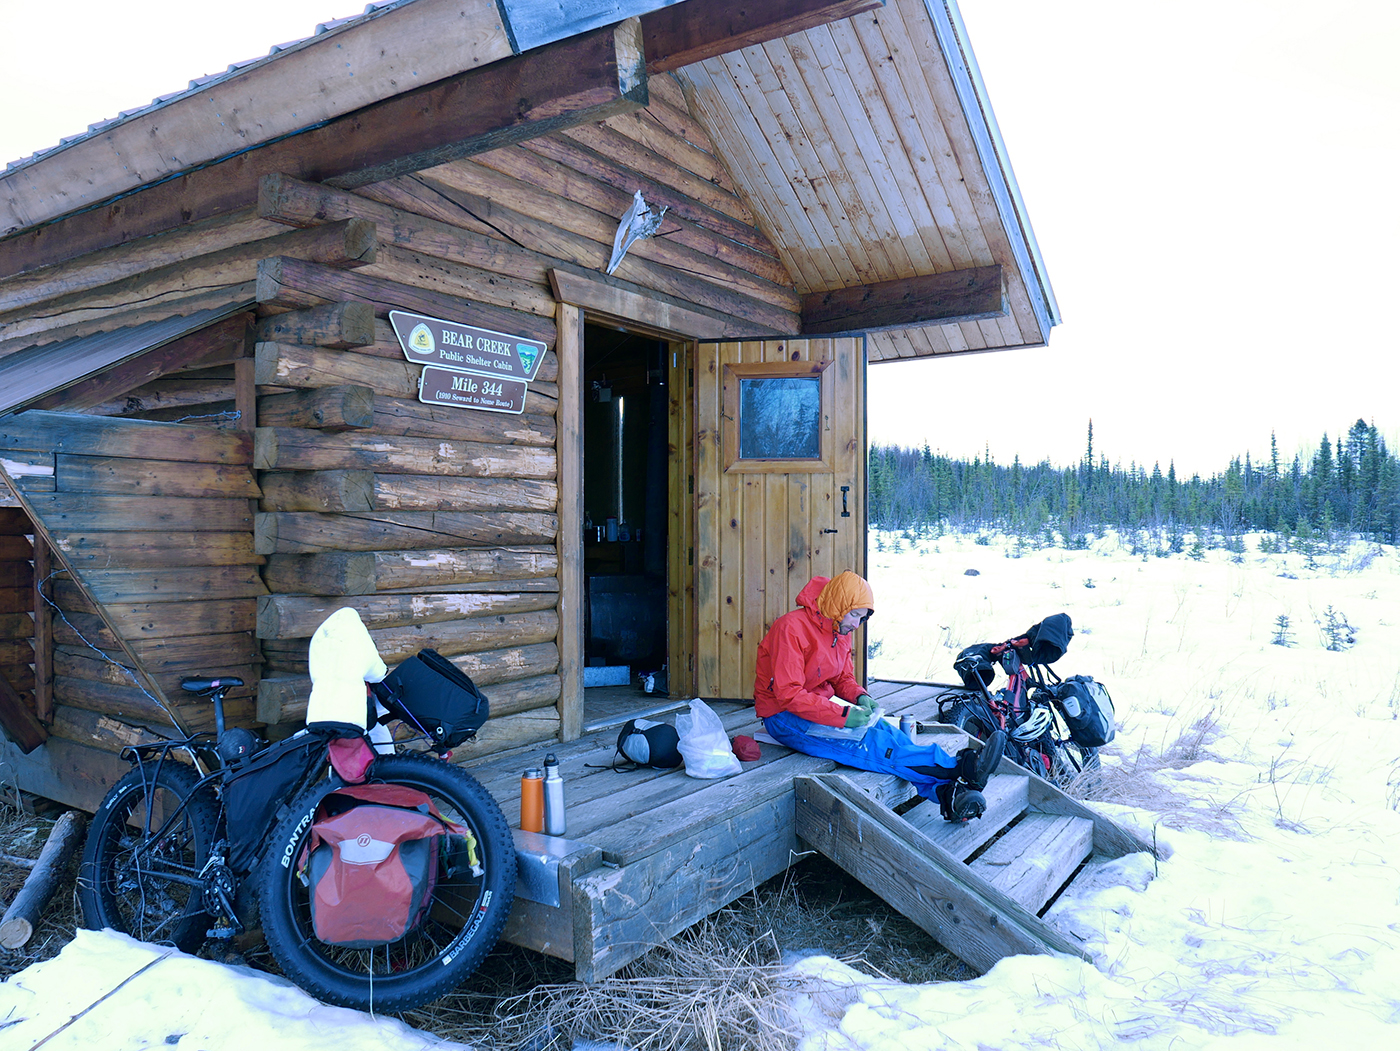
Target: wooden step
x: 1006, y: 801
x: 1035, y: 858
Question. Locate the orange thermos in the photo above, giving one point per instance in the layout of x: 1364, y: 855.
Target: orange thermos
x: 532, y: 800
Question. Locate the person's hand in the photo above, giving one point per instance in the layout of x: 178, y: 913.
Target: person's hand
x: 866, y: 701
x: 858, y: 716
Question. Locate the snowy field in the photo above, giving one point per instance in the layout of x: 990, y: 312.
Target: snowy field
x: 1268, y: 773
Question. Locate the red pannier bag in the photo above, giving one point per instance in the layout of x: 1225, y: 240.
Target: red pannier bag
x: 372, y: 863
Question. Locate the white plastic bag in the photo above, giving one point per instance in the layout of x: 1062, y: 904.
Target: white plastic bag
x: 704, y: 745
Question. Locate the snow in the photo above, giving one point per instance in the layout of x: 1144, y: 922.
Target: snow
x: 1272, y: 921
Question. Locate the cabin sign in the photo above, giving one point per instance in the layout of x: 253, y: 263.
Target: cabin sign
x: 468, y: 390
x: 434, y: 341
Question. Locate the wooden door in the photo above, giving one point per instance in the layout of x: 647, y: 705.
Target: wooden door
x: 764, y: 525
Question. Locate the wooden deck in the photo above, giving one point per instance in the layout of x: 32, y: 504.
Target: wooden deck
x: 649, y: 852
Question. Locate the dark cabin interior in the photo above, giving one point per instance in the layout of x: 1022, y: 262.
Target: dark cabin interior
x: 625, y: 518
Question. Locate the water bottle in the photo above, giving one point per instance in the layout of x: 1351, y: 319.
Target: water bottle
x: 554, y: 823
x: 906, y: 726
x: 532, y: 800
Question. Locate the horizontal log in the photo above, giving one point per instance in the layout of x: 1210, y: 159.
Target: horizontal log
x: 338, y: 408
x: 14, y: 521
x: 532, y: 164
x: 16, y: 548
x: 100, y: 436
x: 609, y: 298
x: 470, y: 635
x: 19, y: 651
x: 125, y: 476
x: 975, y: 294
x: 195, y: 652
x: 170, y: 400
x: 65, y: 594
x: 413, y: 492
x: 584, y: 78
x: 511, y: 731
x: 156, y: 550
x: 160, y: 620
x: 16, y: 574
x: 299, y: 449
x: 132, y: 705
x: 222, y: 341
x: 523, y: 695
x: 483, y: 287
x: 16, y: 626
x: 400, y: 416
x: 103, y: 731
x: 16, y: 600
x: 102, y: 267
x: 363, y: 573
x: 323, y: 491
x: 282, y: 699
x: 292, y: 365
x: 184, y: 584
x: 64, y: 513
x: 731, y: 292
x: 334, y: 325
x: 348, y: 243
x: 298, y: 616
x: 78, y: 629
x: 703, y: 203
x: 21, y: 676
x: 294, y: 284
x: 297, y: 532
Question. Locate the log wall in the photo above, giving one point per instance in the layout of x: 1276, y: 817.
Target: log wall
x: 148, y: 531
x: 439, y: 525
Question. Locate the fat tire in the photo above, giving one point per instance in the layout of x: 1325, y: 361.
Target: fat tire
x: 435, y: 958
x: 125, y: 876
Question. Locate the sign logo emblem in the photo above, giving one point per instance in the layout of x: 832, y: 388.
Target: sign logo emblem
x: 421, y: 339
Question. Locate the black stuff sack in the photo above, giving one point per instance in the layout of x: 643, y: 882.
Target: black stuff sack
x: 1088, y: 710
x: 431, y: 693
x: 259, y: 786
x: 648, y: 743
x: 371, y: 864
x: 1048, y: 640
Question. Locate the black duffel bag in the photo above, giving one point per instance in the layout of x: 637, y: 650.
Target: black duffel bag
x: 431, y: 693
x: 1087, y: 708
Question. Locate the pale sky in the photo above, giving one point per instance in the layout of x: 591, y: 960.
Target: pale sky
x: 1212, y: 185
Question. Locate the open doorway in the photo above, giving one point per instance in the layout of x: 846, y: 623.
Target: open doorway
x: 625, y: 487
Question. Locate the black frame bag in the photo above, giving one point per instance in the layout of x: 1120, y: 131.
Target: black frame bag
x: 431, y: 693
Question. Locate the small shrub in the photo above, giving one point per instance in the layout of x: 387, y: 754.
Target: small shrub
x: 1337, y: 633
x: 1197, y: 552
x: 1283, y: 635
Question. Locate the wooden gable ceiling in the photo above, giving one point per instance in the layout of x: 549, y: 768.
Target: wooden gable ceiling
x: 856, y: 144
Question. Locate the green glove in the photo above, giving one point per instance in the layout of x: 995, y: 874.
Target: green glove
x: 866, y: 701
x: 858, y: 716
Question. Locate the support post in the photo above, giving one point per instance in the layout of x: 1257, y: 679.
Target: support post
x: 570, y: 537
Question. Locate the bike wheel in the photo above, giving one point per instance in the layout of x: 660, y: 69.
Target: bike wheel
x: 141, y: 864
x: 972, y: 717
x: 464, y: 923
x: 1063, y: 763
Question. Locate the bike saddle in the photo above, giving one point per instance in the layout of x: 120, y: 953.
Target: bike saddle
x: 208, y: 686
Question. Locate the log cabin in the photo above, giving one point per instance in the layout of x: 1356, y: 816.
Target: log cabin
x: 601, y: 455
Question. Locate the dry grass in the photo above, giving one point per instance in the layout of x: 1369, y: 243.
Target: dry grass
x: 1131, y: 783
x: 720, y: 984
x: 22, y: 834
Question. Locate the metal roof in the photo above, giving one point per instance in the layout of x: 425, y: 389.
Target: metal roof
x: 199, y: 83
x: 35, y: 372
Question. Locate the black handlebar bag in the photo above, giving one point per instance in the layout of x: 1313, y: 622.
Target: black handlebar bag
x: 430, y: 692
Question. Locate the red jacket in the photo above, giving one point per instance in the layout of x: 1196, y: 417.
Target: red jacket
x: 803, y: 662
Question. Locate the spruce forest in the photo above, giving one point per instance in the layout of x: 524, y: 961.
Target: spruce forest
x: 1350, y: 486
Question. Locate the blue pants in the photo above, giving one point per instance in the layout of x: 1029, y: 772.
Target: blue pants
x: 883, y: 749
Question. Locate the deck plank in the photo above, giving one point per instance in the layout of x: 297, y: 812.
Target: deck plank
x: 1006, y: 800
x: 1035, y: 858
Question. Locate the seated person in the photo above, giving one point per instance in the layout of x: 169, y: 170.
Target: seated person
x: 805, y: 680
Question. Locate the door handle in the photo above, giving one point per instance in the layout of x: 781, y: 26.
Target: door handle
x: 844, y: 512
x: 830, y: 530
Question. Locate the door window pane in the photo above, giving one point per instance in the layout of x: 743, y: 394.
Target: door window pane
x: 780, y: 418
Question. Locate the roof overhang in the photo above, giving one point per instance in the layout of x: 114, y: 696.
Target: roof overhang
x: 35, y: 375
